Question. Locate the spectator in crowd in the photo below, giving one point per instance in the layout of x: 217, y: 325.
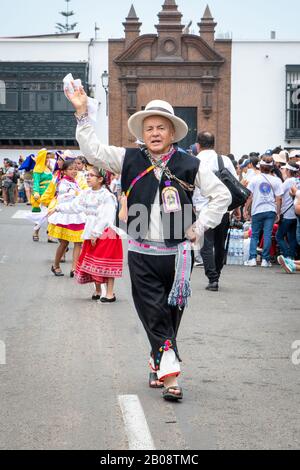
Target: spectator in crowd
x: 291, y: 266
x: 254, y: 154
x: 295, y: 192
x: 193, y: 150
x: 265, y: 203
x: 286, y: 235
x: 250, y: 169
x: 16, y: 178
x: 115, y: 185
x: 21, y: 191
x: 294, y: 156
x: 213, y: 251
x: 280, y: 161
x: 240, y: 171
x: 2, y: 176
x: 9, y: 183
x: 234, y: 162
x: 26, y: 169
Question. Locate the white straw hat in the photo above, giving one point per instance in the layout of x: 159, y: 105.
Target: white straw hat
x: 279, y: 157
x: 157, y: 108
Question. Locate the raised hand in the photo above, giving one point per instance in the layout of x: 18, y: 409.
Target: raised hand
x: 78, y: 99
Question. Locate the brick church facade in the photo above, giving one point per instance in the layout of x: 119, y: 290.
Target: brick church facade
x: 192, y: 72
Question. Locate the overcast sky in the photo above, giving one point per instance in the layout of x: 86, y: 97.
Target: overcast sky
x: 244, y: 19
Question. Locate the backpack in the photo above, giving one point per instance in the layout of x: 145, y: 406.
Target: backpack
x: 239, y: 193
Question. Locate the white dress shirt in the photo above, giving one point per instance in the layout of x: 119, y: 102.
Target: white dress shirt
x: 209, y: 160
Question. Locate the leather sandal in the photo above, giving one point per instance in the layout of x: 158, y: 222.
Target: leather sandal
x: 154, y: 381
x: 57, y: 272
x: 35, y: 238
x: 171, y: 396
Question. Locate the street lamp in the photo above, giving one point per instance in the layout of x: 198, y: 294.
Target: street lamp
x: 105, y: 84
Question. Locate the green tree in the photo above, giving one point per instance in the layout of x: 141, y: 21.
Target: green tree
x: 65, y: 28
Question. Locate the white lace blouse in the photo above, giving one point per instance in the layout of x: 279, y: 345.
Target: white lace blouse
x: 99, y: 208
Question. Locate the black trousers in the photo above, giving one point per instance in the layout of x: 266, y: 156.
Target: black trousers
x: 213, y: 251
x: 152, y: 278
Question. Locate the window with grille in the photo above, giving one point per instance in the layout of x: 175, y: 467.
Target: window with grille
x: 33, y: 107
x: 292, y: 102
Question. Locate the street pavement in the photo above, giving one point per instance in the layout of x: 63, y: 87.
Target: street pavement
x: 68, y: 359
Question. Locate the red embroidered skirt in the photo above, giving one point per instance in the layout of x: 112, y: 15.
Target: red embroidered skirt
x: 100, y: 262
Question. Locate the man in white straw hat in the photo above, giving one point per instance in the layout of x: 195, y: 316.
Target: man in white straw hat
x: 158, y: 182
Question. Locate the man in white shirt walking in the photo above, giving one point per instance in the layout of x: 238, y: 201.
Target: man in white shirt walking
x: 213, y: 251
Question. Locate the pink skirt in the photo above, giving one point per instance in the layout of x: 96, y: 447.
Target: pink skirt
x: 100, y: 262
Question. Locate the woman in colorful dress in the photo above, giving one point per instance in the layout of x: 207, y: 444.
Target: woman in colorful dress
x: 66, y: 228
x: 42, y: 177
x: 101, y: 258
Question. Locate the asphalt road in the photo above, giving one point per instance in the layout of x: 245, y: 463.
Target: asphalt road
x: 69, y: 359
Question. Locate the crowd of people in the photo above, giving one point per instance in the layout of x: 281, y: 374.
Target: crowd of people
x: 274, y: 182
x: 12, y: 187
x: 270, y: 217
x: 176, y: 210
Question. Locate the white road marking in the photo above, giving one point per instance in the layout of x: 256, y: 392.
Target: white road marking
x: 136, y: 426
x: 21, y: 215
x: 3, y: 259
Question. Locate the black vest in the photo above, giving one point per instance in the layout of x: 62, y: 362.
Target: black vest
x: 141, y: 198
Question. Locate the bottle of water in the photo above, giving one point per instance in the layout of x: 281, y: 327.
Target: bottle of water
x: 230, y: 251
x: 241, y: 248
x: 233, y: 246
x: 236, y: 250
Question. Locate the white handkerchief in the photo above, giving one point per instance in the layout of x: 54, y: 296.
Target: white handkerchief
x: 92, y: 102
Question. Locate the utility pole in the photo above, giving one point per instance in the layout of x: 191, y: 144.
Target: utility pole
x: 65, y: 28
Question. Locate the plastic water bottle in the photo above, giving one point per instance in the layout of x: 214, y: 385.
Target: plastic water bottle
x: 230, y: 252
x: 237, y: 248
x: 233, y: 246
x: 237, y: 251
x: 241, y: 247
